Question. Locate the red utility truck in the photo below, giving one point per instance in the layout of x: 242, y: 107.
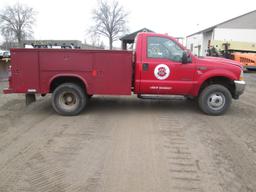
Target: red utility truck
x: 159, y: 65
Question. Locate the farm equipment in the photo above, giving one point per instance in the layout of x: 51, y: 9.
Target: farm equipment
x: 243, y: 52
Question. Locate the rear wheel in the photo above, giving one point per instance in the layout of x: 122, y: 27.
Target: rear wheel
x: 69, y: 99
x: 215, y: 99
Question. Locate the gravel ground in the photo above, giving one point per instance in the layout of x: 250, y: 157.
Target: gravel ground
x: 125, y: 144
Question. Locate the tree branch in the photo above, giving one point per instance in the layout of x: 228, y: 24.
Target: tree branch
x: 110, y: 20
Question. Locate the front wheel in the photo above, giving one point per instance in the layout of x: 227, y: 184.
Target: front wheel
x: 215, y: 99
x: 69, y: 99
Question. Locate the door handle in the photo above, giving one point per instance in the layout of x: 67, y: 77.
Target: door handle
x: 145, y: 66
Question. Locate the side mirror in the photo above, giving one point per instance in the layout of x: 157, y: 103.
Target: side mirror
x: 184, y: 58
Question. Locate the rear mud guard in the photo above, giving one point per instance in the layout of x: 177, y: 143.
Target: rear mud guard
x: 30, y: 98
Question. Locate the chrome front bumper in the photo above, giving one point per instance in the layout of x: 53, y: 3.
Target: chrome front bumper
x: 240, y: 87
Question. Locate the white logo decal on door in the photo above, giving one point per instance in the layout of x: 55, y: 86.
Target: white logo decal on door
x: 162, y: 71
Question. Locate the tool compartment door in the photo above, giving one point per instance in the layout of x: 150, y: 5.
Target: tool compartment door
x: 25, y: 70
x: 112, y: 73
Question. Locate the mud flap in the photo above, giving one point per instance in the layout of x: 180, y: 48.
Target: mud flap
x: 30, y: 98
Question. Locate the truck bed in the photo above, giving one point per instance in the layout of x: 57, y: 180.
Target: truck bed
x: 102, y: 71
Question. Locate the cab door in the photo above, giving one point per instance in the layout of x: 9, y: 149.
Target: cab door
x: 162, y: 69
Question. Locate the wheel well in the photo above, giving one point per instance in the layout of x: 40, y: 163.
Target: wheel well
x: 228, y: 83
x: 66, y: 79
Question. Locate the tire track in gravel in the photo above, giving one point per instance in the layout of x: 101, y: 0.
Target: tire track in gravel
x: 99, y: 152
x: 135, y: 161
x: 64, y: 154
x: 19, y: 119
x: 16, y: 155
x: 24, y: 137
x: 232, y: 162
x: 183, y: 167
x: 45, y: 165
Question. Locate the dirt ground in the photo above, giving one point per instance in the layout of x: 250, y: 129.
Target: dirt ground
x: 123, y: 144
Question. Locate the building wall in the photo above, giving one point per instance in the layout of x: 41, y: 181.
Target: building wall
x: 207, y: 36
x: 194, y: 44
x: 242, y: 28
x: 222, y: 34
x: 244, y: 35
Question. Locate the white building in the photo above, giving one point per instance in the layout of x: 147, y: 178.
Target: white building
x: 242, y: 28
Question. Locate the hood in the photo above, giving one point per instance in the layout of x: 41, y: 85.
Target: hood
x: 219, y: 60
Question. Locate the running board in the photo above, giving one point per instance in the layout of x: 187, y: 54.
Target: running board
x: 162, y: 97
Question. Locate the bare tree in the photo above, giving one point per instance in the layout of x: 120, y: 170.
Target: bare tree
x: 94, y: 39
x: 8, y: 38
x: 110, y: 20
x: 17, y: 21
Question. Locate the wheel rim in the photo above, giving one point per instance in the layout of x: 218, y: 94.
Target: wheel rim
x: 216, y: 101
x: 68, y: 101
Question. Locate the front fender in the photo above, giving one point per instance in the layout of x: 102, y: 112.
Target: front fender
x: 202, y: 77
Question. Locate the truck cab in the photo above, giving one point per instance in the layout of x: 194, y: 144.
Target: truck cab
x: 165, y: 67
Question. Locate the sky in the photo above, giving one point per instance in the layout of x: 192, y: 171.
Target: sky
x: 63, y: 20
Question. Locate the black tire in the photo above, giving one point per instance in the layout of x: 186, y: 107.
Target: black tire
x: 69, y: 99
x: 215, y: 99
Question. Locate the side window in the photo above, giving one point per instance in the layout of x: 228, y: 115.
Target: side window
x: 160, y: 47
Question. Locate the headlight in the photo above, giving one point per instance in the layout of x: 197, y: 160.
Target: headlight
x: 241, y: 75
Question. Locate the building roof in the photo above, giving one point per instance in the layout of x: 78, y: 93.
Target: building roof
x: 131, y: 36
x: 231, y: 23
